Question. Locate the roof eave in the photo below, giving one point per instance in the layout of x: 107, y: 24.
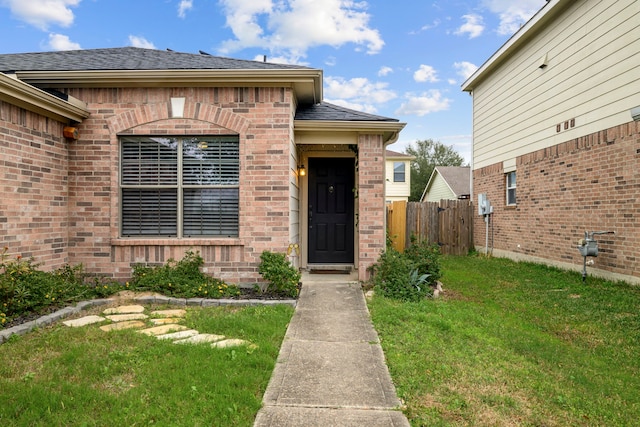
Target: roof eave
x: 307, y: 83
x: 23, y: 95
x: 538, y: 21
x: 389, y: 129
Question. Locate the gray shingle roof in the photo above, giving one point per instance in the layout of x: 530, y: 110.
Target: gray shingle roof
x: 457, y: 177
x: 127, y: 58
x: 330, y: 112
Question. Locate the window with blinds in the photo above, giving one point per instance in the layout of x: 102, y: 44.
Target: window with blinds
x: 180, y: 187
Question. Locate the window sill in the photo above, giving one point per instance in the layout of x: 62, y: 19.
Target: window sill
x: 166, y: 241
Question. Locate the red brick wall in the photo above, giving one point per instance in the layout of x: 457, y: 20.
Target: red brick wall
x: 589, y: 183
x: 371, y: 226
x: 262, y: 119
x: 33, y: 187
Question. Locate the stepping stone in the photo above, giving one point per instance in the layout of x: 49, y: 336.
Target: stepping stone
x: 200, y: 338
x: 82, y: 321
x: 165, y: 321
x: 125, y: 317
x: 164, y: 329
x: 123, y: 325
x: 178, y: 335
x: 124, y: 309
x: 234, y: 342
x: 169, y: 313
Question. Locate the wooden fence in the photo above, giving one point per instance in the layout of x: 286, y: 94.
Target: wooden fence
x: 449, y: 223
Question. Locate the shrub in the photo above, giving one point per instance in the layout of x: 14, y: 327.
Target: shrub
x: 407, y: 276
x: 425, y: 258
x: 283, y: 278
x: 180, y: 279
x: 25, y: 290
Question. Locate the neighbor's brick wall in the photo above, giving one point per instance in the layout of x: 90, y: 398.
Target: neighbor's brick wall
x: 589, y: 183
x: 261, y: 116
x: 33, y: 187
x: 371, y: 226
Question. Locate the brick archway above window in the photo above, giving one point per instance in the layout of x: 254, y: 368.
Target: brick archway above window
x: 198, y: 118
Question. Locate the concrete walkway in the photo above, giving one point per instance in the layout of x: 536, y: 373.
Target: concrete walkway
x: 331, y: 369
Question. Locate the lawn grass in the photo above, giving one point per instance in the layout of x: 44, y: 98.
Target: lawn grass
x: 61, y: 376
x: 515, y: 344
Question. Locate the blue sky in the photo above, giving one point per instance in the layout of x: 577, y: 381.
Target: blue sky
x: 404, y: 59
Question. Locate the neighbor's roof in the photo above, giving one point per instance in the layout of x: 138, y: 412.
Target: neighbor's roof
x: 395, y: 155
x: 127, y: 58
x: 456, y: 177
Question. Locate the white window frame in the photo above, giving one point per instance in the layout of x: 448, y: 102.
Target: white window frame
x: 510, y: 184
x: 398, y: 173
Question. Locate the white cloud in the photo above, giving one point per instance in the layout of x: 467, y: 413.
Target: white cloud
x: 62, y: 42
x: 426, y: 27
x: 512, y: 14
x: 426, y: 73
x: 141, y: 42
x: 294, y: 26
x: 465, y: 69
x: 473, y: 26
x: 184, y: 7
x: 423, y: 104
x: 358, y: 90
x: 385, y: 71
x: 43, y: 13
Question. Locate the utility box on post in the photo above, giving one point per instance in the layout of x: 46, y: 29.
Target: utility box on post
x: 484, y: 205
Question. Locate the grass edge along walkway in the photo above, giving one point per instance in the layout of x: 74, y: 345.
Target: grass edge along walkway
x: 515, y: 344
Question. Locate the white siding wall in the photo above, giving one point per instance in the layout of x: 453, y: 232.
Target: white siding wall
x: 593, y: 76
x: 396, y: 191
x: 439, y: 190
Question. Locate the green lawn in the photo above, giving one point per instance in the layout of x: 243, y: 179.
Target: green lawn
x: 515, y: 344
x: 61, y: 376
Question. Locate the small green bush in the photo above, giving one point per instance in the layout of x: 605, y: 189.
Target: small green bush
x: 180, y: 279
x: 407, y: 276
x: 24, y: 289
x: 425, y: 258
x: 283, y: 278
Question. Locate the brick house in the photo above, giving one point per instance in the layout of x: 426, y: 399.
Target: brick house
x: 113, y: 157
x: 556, y: 143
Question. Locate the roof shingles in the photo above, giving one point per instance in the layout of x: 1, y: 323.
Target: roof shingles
x: 127, y: 58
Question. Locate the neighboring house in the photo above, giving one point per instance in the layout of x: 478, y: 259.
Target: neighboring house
x: 398, y: 176
x: 115, y: 157
x: 448, y: 183
x: 556, y: 141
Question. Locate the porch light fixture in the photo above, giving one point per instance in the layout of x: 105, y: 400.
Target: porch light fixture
x: 301, y: 170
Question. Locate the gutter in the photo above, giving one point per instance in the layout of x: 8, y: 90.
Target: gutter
x: 23, y: 95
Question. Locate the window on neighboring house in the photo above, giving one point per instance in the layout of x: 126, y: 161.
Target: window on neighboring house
x: 180, y: 187
x: 398, y: 171
x: 511, y: 188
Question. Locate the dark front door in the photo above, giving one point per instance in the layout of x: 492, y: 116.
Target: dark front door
x: 331, y: 225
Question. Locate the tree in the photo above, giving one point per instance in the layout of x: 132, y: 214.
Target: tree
x: 429, y: 154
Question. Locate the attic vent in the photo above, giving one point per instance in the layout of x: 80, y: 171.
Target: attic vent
x: 544, y: 61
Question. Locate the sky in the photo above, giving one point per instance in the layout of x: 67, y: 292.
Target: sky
x: 404, y: 59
